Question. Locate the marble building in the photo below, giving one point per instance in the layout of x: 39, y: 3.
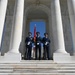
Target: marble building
x: 59, y: 16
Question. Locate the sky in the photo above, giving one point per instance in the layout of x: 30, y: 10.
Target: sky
x: 40, y: 27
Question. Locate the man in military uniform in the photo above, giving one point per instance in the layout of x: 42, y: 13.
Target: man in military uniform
x: 46, y: 45
x: 38, y: 46
x: 29, y: 41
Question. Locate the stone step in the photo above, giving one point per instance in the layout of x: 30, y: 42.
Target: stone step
x: 66, y: 71
x: 42, y: 71
x: 32, y: 67
x: 43, y: 67
x: 72, y: 66
x: 37, y: 73
x: 60, y: 65
x: 66, y: 64
x: 65, y: 68
x: 57, y: 68
x: 51, y: 70
x: 6, y: 70
x: 29, y: 61
x: 29, y: 71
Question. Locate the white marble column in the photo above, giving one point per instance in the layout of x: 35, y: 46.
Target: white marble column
x: 17, y: 26
x: 3, y: 8
x: 71, y: 9
x: 57, y: 27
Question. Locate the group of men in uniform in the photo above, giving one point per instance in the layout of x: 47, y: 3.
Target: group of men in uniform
x: 46, y: 46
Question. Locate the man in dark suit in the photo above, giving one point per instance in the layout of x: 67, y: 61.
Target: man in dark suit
x: 29, y: 41
x: 38, y: 46
x: 46, y: 46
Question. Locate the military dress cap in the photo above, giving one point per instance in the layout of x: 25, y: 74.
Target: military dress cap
x: 29, y: 32
x: 45, y: 33
x: 37, y: 32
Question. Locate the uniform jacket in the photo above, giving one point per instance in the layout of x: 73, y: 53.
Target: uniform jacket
x: 38, y: 41
x: 46, y: 41
x: 29, y: 41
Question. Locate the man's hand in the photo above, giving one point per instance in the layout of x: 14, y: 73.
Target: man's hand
x: 37, y: 43
x: 28, y: 43
x: 46, y: 43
